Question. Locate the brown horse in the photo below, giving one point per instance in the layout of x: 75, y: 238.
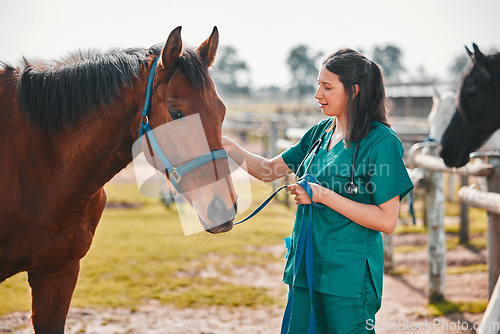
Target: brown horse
x: 67, y: 128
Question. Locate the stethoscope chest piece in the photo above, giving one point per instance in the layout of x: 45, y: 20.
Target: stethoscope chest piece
x: 351, y: 189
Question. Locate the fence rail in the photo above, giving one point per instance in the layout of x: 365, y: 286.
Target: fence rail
x: 480, y: 199
x: 422, y: 155
x: 436, y: 164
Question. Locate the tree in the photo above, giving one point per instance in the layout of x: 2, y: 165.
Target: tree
x: 389, y: 60
x: 423, y: 76
x: 231, y: 74
x: 304, y: 71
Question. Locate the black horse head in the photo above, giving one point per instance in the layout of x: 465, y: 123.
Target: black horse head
x: 478, y: 109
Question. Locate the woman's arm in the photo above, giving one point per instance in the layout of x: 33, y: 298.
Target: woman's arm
x: 259, y: 167
x: 383, y: 217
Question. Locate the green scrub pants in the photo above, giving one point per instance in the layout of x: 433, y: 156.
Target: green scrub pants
x: 334, y: 314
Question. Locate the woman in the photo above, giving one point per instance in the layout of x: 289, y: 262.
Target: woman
x: 347, y: 244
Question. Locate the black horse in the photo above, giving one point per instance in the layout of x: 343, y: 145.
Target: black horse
x: 478, y: 109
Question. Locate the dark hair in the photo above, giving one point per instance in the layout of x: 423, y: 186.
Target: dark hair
x: 369, y: 104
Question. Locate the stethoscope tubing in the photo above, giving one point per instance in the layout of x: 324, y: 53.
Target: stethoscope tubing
x: 351, y: 188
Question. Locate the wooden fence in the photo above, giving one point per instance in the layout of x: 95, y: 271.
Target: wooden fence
x: 423, y: 155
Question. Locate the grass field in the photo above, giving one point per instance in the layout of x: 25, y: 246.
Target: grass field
x: 142, y: 254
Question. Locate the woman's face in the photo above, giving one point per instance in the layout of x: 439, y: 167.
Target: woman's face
x: 331, y: 94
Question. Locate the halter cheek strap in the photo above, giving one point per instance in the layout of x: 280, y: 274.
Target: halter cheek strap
x: 175, y: 173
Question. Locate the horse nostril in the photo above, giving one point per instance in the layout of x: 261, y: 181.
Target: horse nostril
x: 218, y: 213
x: 228, y: 226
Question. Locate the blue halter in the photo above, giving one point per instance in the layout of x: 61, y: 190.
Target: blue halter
x: 177, y: 172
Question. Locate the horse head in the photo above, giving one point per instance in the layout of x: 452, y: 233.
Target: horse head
x: 477, y: 114
x: 186, y: 116
x: 443, y: 108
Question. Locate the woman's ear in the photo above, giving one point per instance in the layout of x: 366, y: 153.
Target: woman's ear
x: 355, y: 90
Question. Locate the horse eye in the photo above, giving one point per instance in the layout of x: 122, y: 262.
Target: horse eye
x: 176, y: 113
x: 473, y: 89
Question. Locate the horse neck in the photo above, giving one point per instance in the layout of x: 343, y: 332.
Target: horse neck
x: 97, y: 148
x: 71, y: 164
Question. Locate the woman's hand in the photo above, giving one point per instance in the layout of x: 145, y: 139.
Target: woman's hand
x: 227, y: 143
x: 301, y: 196
x: 382, y: 217
x: 259, y: 167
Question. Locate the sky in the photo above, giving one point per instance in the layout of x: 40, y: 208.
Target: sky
x: 431, y: 33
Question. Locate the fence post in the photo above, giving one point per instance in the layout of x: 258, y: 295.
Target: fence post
x: 450, y: 194
x: 464, y: 215
x: 388, y: 252
x: 493, y: 228
x: 434, y: 205
x: 489, y: 322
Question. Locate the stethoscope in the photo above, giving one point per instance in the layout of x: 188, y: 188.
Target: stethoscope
x: 351, y: 188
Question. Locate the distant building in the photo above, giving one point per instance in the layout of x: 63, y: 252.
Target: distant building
x: 414, y: 99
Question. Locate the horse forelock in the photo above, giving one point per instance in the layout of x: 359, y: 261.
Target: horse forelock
x: 479, y: 95
x: 194, y: 69
x: 488, y: 66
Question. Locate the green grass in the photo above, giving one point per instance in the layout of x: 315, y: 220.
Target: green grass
x: 14, y: 294
x: 476, y: 243
x: 142, y: 254
x: 399, y: 271
x: 407, y: 229
x: 477, y: 220
x: 457, y: 270
x: 409, y: 249
x: 446, y: 307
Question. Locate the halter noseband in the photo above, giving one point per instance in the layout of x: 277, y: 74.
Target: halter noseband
x: 175, y: 173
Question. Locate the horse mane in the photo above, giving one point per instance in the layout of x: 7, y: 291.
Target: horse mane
x: 58, y: 94
x: 6, y: 66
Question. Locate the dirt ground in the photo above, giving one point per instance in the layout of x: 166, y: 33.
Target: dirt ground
x: 403, y: 307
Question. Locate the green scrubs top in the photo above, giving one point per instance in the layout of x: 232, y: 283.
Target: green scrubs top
x: 342, y: 248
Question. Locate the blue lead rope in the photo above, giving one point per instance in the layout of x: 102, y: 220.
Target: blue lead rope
x: 263, y: 205
x: 304, y: 244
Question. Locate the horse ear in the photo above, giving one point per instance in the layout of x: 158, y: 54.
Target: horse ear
x: 478, y: 55
x: 172, y: 49
x: 469, y: 53
x: 476, y: 49
x: 208, y: 49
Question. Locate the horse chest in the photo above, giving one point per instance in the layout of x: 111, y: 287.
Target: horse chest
x: 43, y: 250
x: 47, y: 244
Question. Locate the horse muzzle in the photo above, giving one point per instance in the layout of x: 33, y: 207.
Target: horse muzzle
x: 220, y: 217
